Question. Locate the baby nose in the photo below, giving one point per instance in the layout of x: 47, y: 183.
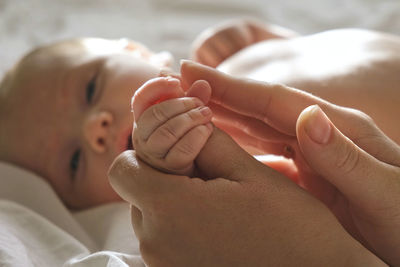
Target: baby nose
x: 97, y: 130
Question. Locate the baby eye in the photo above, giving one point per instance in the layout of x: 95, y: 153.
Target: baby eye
x: 90, y: 90
x: 74, y: 163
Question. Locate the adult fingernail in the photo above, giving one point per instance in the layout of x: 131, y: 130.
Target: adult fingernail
x: 317, y: 126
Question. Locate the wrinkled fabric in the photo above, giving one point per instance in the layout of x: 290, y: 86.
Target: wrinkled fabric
x: 36, y: 229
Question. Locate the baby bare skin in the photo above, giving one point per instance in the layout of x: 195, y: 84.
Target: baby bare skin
x: 76, y: 94
x: 170, y: 134
x: 347, y: 67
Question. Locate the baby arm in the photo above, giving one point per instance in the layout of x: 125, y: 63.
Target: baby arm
x: 217, y: 43
x: 170, y: 129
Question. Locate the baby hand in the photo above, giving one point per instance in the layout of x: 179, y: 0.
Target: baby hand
x: 170, y: 134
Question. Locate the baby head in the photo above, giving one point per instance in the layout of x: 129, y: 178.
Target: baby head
x: 65, y: 112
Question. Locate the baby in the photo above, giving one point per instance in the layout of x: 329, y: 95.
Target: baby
x: 65, y: 111
x: 74, y: 116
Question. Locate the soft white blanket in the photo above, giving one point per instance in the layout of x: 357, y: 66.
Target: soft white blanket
x: 36, y: 229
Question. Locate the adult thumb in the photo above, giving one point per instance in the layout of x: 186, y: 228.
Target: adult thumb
x: 362, y: 178
x: 222, y: 157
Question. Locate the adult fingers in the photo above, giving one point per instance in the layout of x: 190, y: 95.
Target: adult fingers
x: 247, y: 125
x: 222, y: 157
x: 258, y: 146
x: 279, y: 106
x: 281, y: 164
x: 200, y: 89
x: 144, y: 187
x: 140, y: 184
x: 251, y: 132
x: 371, y: 186
x: 275, y: 104
x: 363, y: 179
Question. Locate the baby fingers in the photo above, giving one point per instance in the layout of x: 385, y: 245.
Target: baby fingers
x: 157, y: 115
x: 185, y: 133
x: 164, y: 137
x: 181, y: 156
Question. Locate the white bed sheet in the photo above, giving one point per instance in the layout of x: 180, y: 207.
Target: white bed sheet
x: 36, y: 229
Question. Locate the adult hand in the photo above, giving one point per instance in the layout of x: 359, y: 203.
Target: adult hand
x: 249, y: 215
x: 354, y: 166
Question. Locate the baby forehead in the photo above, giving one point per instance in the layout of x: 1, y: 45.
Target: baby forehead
x: 47, y: 58
x: 89, y: 46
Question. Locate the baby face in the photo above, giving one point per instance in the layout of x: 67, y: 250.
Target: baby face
x: 73, y: 116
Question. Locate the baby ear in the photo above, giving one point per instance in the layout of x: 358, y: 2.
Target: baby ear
x: 162, y: 59
x: 200, y: 89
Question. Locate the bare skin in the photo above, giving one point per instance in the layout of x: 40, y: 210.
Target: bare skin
x: 347, y: 162
x: 158, y: 206
x: 68, y: 114
x: 170, y: 135
x: 352, y: 68
x: 335, y: 156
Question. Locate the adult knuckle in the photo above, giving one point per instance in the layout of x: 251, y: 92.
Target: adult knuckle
x: 365, y: 118
x: 363, y: 121
x: 122, y: 162
x: 125, y: 165
x: 366, y: 129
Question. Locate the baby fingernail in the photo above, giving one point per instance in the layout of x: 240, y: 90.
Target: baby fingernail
x: 205, y: 111
x: 171, y: 81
